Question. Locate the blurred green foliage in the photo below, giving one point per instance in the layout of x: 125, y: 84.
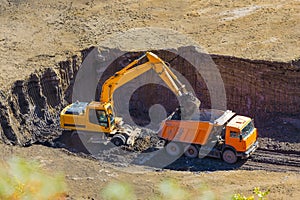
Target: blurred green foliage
x: 25, y: 180
x: 171, y: 190
x: 21, y: 179
x: 118, y: 191
x: 168, y: 190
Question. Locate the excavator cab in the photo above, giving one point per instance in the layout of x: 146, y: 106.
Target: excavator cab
x: 94, y: 116
x: 101, y: 117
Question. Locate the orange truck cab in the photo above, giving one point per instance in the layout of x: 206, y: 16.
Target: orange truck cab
x: 214, y: 133
x: 241, y: 135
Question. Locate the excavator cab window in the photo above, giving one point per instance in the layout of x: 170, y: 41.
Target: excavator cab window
x: 98, y: 117
x: 111, y: 117
x: 102, y: 118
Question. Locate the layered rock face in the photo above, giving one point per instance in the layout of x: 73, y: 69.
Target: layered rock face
x: 262, y: 90
x: 30, y: 110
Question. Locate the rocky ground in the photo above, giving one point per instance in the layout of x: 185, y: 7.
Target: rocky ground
x: 36, y: 35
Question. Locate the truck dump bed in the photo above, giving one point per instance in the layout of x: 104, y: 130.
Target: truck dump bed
x: 198, y: 129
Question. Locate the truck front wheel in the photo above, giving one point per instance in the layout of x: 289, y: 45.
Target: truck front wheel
x: 229, y: 156
x: 173, y: 149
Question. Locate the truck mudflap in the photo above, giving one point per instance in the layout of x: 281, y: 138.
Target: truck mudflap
x: 250, y: 151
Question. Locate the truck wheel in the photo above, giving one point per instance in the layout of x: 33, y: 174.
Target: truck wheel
x: 118, y: 140
x: 191, y: 151
x: 173, y: 149
x: 229, y: 156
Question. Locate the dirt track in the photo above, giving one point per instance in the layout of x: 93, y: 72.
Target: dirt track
x: 35, y: 35
x: 273, y: 161
x: 154, y: 157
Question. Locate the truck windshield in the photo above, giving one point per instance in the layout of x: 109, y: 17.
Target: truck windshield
x: 248, y: 129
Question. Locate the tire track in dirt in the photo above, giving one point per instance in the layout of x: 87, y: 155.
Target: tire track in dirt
x: 271, y: 160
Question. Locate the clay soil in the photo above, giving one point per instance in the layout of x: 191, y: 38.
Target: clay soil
x: 36, y: 34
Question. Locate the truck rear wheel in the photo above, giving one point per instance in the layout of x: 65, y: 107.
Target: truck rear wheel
x: 191, y: 151
x: 174, y: 149
x: 118, y: 140
x: 229, y: 156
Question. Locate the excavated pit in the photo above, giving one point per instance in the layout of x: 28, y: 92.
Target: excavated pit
x: 267, y: 91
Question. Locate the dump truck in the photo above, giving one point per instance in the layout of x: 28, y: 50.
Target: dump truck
x: 99, y: 117
x: 213, y: 133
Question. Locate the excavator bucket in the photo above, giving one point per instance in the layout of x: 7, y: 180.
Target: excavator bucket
x: 189, y: 106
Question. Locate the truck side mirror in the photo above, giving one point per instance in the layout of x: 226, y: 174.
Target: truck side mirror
x: 241, y: 137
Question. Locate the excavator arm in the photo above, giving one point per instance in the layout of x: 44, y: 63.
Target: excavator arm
x: 133, y: 70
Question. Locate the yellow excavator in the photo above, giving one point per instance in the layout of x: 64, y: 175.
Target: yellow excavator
x: 99, y: 117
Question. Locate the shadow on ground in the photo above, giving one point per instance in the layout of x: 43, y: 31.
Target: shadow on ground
x: 155, y: 158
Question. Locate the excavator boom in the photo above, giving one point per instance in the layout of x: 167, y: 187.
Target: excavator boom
x: 133, y: 70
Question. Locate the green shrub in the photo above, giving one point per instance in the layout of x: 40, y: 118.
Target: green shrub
x: 260, y: 195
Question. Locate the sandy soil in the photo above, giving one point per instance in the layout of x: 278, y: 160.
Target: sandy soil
x: 86, y: 177
x: 37, y: 34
